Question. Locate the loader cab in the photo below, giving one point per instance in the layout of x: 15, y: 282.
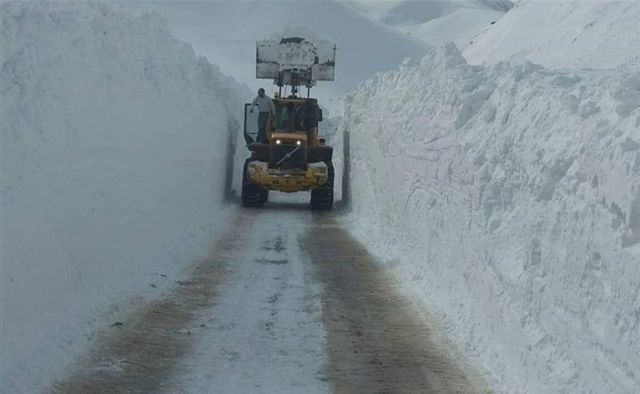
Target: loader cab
x: 297, y: 115
x: 292, y: 116
x: 289, y: 116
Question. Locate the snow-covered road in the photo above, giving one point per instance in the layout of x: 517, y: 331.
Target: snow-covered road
x: 286, y: 302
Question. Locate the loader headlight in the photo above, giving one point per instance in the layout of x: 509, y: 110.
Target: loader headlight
x: 278, y: 142
x: 298, y: 142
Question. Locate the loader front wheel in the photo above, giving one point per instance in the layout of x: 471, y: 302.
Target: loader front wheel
x: 322, y: 197
x: 252, y: 194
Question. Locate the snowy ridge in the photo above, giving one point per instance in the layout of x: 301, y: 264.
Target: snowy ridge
x: 460, y: 27
x: 436, y: 22
x: 563, y: 34
x: 419, y: 11
x: 508, y: 198
x: 114, y: 141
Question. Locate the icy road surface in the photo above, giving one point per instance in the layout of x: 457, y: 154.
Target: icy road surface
x: 286, y: 302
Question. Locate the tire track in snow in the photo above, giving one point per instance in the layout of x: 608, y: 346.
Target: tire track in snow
x: 377, y: 341
x: 265, y: 334
x: 287, y: 302
x: 141, y: 357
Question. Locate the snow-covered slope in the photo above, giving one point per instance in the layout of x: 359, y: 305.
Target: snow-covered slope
x: 461, y: 27
x: 508, y: 198
x: 113, y: 144
x: 414, y: 12
x: 407, y: 12
x: 436, y: 22
x: 228, y: 30
x: 560, y: 34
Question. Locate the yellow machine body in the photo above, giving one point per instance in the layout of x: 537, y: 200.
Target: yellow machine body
x: 290, y: 156
x: 288, y: 181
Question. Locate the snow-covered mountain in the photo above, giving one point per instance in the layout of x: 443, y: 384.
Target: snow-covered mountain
x: 414, y: 12
x: 228, y: 30
x: 371, y: 36
x: 558, y: 34
x: 398, y: 12
x: 436, y: 22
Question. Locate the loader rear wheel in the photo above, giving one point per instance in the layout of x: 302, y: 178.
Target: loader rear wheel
x: 322, y: 197
x: 252, y: 194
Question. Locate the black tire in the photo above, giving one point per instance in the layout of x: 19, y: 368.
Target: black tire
x: 252, y: 194
x: 320, y: 153
x: 322, y: 197
x: 259, y: 151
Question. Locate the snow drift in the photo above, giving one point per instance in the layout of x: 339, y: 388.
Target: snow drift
x: 114, y: 149
x: 562, y: 34
x: 508, y: 198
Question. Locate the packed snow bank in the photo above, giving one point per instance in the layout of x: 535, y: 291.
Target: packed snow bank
x: 114, y: 148
x: 562, y: 34
x: 508, y: 198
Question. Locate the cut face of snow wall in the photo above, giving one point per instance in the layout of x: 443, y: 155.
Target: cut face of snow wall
x: 114, y: 144
x: 508, y: 198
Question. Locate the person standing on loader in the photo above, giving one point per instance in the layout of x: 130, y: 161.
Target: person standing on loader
x: 265, y: 105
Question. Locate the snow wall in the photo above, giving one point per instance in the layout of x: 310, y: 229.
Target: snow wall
x: 114, y: 149
x: 507, y: 198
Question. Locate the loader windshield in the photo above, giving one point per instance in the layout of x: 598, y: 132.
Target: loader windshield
x: 288, y: 117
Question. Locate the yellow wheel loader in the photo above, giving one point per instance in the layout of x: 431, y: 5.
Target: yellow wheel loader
x: 291, y: 157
